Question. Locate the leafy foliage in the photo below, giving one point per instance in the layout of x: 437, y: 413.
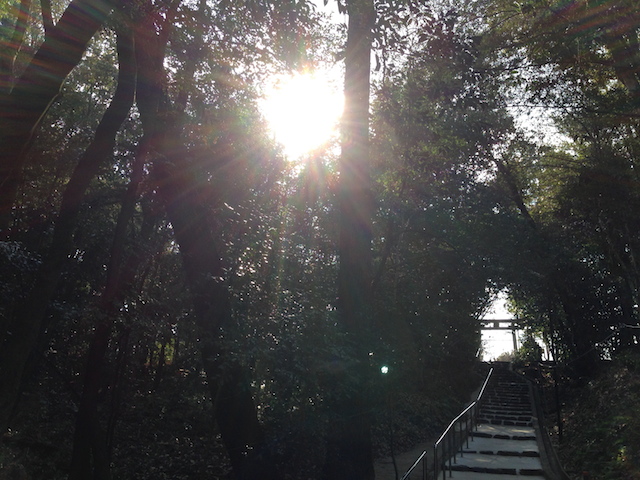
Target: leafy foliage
x: 602, y: 423
x: 471, y: 198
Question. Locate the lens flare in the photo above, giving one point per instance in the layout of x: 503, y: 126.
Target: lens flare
x: 303, y: 111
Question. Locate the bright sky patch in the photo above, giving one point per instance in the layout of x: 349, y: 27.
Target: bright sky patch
x: 303, y: 111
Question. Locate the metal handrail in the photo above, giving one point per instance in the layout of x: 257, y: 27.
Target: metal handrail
x: 453, y: 422
x: 548, y: 453
x: 422, y: 458
x: 484, y: 385
x: 448, y: 442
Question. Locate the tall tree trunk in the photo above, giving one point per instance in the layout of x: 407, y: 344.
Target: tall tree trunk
x: 580, y: 335
x: 182, y: 194
x: 88, y: 460
x: 22, y: 109
x: 90, y: 453
x: 11, y: 49
x: 234, y: 408
x: 25, y: 328
x: 349, y: 448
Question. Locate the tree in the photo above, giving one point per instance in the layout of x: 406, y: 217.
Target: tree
x: 28, y: 100
x: 581, y: 61
x: 349, y: 454
x: 191, y: 219
x: 26, y: 326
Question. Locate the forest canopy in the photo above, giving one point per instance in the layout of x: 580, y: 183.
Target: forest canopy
x: 180, y: 299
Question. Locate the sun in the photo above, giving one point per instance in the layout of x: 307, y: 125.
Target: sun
x: 303, y: 111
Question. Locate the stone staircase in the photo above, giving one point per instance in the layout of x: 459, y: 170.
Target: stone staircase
x: 504, y: 442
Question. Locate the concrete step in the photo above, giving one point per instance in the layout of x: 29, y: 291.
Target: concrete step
x: 501, y: 420
x: 509, y: 398
x: 500, y: 450
x: 504, y: 432
x: 505, y: 422
x: 507, y: 401
x: 459, y: 475
x: 506, y: 412
x: 528, y: 469
x: 504, y: 441
x: 505, y: 406
x: 504, y: 453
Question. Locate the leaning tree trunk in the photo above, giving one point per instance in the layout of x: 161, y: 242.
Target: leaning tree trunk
x: 234, y: 408
x: 229, y: 385
x: 349, y: 448
x: 579, y: 335
x: 91, y: 455
x: 22, y: 109
x: 11, y: 48
x: 90, y: 458
x: 181, y: 192
x: 25, y: 328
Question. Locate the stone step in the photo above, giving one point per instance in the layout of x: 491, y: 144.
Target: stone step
x: 504, y: 432
x: 494, y: 402
x: 460, y: 475
x: 493, y: 419
x: 505, y: 415
x: 504, y: 411
x: 504, y: 441
x: 487, y: 402
x: 525, y: 465
x: 505, y: 404
x: 510, y: 423
x: 507, y: 397
x: 510, y: 388
x: 525, y: 472
x: 508, y: 393
x: 506, y: 408
x: 504, y: 453
x: 501, y: 436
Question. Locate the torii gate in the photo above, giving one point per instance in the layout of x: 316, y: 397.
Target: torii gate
x: 499, y: 324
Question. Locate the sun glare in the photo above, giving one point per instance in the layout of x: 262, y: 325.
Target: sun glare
x: 303, y: 111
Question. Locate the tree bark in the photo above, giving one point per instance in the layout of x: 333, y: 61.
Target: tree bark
x: 22, y: 109
x: 234, y: 408
x: 12, y: 48
x: 47, y: 17
x: 349, y: 449
x: 25, y: 328
x: 90, y: 458
x: 578, y: 335
x: 183, y: 194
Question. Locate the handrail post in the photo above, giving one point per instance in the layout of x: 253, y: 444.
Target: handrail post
x: 448, y: 441
x: 443, y: 466
x: 467, y: 431
x: 450, y: 464
x: 421, y: 459
x: 452, y: 449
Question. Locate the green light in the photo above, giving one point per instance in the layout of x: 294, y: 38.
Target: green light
x: 384, y: 369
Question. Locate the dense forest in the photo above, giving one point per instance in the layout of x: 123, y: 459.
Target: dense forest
x: 180, y: 299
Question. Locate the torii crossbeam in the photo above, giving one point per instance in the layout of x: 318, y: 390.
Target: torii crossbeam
x: 503, y: 324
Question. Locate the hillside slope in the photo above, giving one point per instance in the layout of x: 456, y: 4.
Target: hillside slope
x: 602, y: 423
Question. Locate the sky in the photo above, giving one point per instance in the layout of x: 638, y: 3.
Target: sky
x: 499, y: 341
x: 494, y: 343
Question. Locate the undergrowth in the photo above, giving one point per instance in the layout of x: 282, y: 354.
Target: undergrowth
x: 602, y: 423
